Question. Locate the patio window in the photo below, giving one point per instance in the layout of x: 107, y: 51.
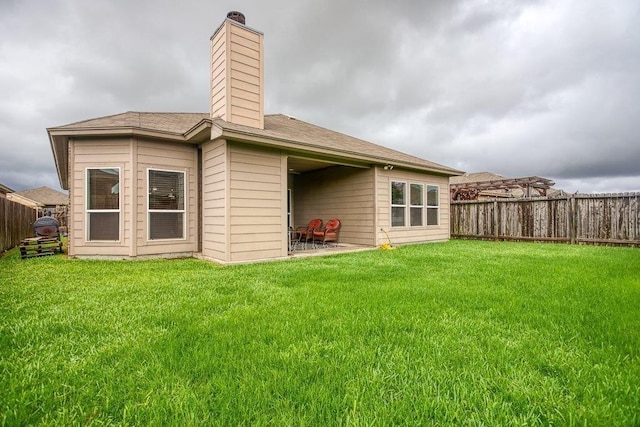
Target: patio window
x: 166, y: 204
x: 433, y: 205
x: 103, y: 204
x: 398, y: 203
x: 416, y: 197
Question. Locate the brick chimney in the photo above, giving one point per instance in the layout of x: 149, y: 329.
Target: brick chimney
x: 237, y: 73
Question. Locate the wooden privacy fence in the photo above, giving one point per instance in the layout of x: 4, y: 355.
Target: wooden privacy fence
x: 600, y: 218
x: 15, y: 223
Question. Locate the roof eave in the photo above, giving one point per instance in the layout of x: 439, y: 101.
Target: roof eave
x: 59, y: 138
x: 60, y: 157
x: 201, y: 132
x: 24, y: 200
x: 117, y: 131
x: 5, y: 189
x: 238, y: 135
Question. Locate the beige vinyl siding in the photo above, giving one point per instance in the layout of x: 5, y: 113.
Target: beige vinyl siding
x: 73, y: 209
x: 171, y: 157
x: 218, y: 74
x: 246, y: 77
x: 98, y: 153
x: 237, y: 76
x: 133, y: 157
x: 408, y: 234
x: 338, y: 192
x: 214, y: 196
x: 257, y: 204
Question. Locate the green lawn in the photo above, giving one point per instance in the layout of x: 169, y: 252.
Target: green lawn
x: 464, y: 332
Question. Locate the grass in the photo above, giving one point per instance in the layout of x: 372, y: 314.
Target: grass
x: 464, y: 332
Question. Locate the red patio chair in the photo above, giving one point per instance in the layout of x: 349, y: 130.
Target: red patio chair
x: 306, y: 233
x: 329, y: 233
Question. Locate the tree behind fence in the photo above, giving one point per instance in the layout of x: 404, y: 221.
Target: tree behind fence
x: 602, y: 218
x: 16, y: 222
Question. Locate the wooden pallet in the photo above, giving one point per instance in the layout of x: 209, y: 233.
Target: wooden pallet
x: 40, y: 246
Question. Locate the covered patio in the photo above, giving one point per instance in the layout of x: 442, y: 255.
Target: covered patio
x: 302, y: 252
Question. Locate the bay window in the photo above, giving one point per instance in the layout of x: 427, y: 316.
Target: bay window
x: 166, y: 204
x: 103, y: 204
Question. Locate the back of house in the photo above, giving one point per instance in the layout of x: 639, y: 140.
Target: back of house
x: 227, y: 185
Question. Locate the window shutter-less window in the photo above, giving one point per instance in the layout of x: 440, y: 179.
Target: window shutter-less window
x: 103, y: 204
x: 417, y: 202
x: 433, y: 205
x: 166, y: 205
x: 398, y: 203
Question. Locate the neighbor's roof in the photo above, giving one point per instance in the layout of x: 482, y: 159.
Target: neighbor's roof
x: 471, y: 185
x: 280, y: 131
x: 475, y: 177
x: 492, y: 181
x: 46, y: 196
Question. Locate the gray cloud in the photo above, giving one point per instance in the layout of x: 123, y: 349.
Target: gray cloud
x: 546, y: 88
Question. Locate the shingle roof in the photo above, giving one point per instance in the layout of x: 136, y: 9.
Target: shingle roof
x: 475, y: 177
x: 285, y: 128
x: 277, y: 127
x: 177, y: 123
x: 46, y: 196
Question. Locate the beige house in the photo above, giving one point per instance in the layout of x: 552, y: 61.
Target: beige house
x: 15, y: 197
x: 227, y: 185
x: 46, y: 201
x: 4, y: 190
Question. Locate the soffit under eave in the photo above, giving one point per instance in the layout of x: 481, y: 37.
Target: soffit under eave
x: 59, y: 147
x: 199, y: 133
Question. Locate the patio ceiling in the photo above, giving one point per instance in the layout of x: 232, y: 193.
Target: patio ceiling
x: 297, y: 165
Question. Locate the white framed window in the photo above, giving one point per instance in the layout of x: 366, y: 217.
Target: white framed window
x: 433, y: 205
x: 166, y: 204
x: 408, y: 204
x: 103, y: 204
x: 416, y: 206
x: 398, y: 203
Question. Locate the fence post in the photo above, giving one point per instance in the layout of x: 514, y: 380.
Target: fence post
x: 496, y: 221
x: 573, y: 219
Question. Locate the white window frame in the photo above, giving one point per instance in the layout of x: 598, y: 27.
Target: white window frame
x: 183, y: 211
x: 89, y: 211
x: 405, y: 205
x: 435, y: 207
x: 420, y: 206
x: 408, y: 206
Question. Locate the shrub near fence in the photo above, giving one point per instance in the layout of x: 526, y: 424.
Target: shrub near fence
x: 600, y: 218
x: 15, y: 223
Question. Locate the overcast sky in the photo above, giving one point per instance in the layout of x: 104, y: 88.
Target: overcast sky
x: 519, y: 88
